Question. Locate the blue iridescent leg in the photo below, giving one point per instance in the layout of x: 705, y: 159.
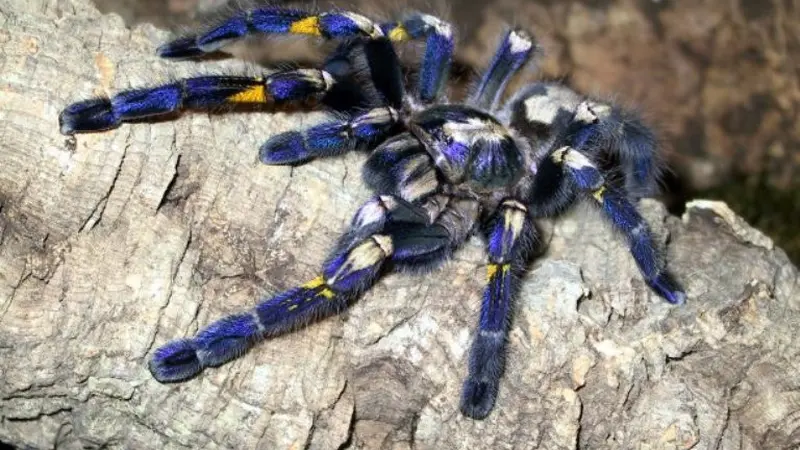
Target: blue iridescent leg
x: 638, y: 151
x: 439, y: 47
x: 329, y: 138
x: 271, y: 20
x: 626, y: 219
x: 345, y: 275
x: 384, y: 230
x: 206, y: 92
x: 509, y: 234
x: 515, y: 50
x: 608, y: 132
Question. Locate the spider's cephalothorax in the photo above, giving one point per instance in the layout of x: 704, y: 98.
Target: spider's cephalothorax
x: 441, y: 171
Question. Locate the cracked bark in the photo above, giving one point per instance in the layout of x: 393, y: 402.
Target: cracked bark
x: 596, y: 360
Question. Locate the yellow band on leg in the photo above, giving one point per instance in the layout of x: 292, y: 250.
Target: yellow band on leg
x: 317, y: 283
x: 598, y: 194
x: 255, y: 94
x: 491, y: 270
x: 399, y: 33
x: 309, y: 25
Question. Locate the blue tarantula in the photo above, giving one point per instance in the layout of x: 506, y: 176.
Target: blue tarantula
x: 441, y: 171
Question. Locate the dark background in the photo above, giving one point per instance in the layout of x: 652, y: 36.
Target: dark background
x: 719, y: 79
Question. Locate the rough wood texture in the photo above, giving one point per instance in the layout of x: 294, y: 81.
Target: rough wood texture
x: 113, y: 243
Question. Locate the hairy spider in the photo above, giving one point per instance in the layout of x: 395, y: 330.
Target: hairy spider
x: 441, y: 171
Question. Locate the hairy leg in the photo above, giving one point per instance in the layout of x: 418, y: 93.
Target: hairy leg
x: 509, y: 235
x: 514, y: 51
x: 439, y: 48
x: 386, y: 230
x: 207, y: 92
x: 330, y: 138
x: 272, y: 21
x: 401, y: 166
x: 340, y: 25
x: 620, y: 135
x: 625, y: 218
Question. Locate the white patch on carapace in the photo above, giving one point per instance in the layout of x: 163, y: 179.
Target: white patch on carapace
x: 541, y: 109
x: 440, y: 26
x: 545, y: 107
x: 474, y: 129
x: 519, y: 42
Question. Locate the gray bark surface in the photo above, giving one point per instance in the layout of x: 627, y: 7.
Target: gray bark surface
x: 113, y: 243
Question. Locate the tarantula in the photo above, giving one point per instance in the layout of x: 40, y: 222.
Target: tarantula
x: 441, y: 171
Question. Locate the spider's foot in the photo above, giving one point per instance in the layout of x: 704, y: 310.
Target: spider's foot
x: 180, y: 49
x: 668, y: 288
x: 477, y: 398
x: 285, y: 148
x: 176, y: 361
x: 220, y: 342
x: 96, y: 114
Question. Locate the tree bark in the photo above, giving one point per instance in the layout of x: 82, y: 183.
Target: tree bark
x: 113, y: 243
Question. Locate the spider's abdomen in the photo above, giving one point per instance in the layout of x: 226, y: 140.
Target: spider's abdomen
x: 469, y: 146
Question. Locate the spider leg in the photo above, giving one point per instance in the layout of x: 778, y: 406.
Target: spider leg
x: 509, y: 234
x: 401, y: 166
x: 329, y: 138
x: 207, y: 92
x: 384, y: 230
x: 439, y: 47
x: 623, y: 215
x: 367, y: 73
x: 622, y: 135
x: 514, y: 51
x: 640, y: 157
x: 342, y: 25
x: 272, y: 21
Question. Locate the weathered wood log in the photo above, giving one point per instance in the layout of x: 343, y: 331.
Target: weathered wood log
x: 113, y: 243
